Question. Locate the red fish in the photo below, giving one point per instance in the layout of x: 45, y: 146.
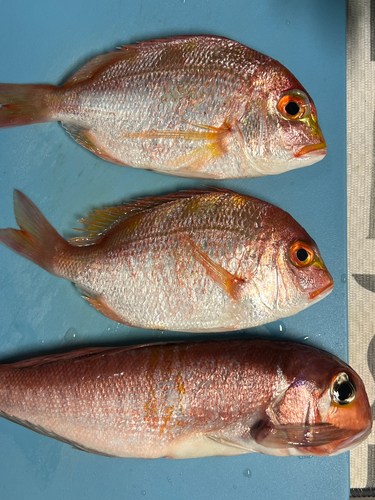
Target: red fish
x: 192, y: 261
x: 191, y: 400
x: 192, y: 106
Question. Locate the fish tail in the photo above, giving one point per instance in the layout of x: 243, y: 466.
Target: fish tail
x: 25, y: 104
x: 36, y: 239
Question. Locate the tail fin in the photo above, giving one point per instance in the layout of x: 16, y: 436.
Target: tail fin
x: 24, y: 104
x: 36, y: 239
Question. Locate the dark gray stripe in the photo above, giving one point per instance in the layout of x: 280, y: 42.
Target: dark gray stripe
x: 371, y: 466
x: 371, y: 231
x: 368, y: 493
x: 372, y: 29
x: 367, y: 281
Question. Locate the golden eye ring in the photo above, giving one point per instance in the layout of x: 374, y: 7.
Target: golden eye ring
x: 293, y: 106
x: 301, y: 254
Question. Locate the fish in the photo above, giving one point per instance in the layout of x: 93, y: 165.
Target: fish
x: 194, y: 261
x: 192, y: 106
x: 191, y: 399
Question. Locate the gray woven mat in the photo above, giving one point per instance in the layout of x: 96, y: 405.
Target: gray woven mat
x: 361, y: 220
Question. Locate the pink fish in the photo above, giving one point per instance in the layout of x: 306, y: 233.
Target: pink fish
x: 190, y: 400
x: 192, y: 106
x: 192, y: 261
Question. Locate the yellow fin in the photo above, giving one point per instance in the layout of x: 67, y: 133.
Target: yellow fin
x: 101, y: 221
x: 188, y: 135
x: 216, y: 137
x: 226, y: 280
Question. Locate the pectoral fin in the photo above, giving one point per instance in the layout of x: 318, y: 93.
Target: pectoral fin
x: 226, y: 280
x: 198, y: 158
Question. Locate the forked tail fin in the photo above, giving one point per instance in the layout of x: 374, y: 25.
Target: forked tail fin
x: 36, y: 239
x: 24, y: 104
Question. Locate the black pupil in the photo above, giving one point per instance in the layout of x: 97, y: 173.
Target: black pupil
x: 344, y: 391
x: 302, y: 255
x: 292, y: 108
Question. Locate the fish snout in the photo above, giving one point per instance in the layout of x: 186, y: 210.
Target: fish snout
x: 324, y: 284
x: 317, y: 148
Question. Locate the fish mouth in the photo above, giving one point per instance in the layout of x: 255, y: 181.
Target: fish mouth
x: 314, y: 149
x: 322, y: 292
x: 353, y: 441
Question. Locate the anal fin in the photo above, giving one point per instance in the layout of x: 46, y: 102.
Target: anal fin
x: 100, y: 305
x: 84, y: 137
x: 51, y: 434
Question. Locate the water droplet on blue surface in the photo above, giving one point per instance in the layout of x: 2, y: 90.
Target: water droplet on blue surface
x: 247, y: 473
x: 282, y: 327
x: 71, y: 335
x: 276, y: 328
x: 143, y: 492
x: 344, y: 278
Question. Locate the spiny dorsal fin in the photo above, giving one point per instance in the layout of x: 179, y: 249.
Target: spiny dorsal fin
x: 101, y: 221
x: 99, y: 64
x: 127, y: 52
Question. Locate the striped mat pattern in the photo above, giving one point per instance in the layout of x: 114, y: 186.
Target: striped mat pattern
x: 361, y: 221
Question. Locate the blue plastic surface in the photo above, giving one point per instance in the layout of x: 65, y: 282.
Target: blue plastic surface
x: 44, y: 42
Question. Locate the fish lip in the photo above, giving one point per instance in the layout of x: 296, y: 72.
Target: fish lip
x: 325, y: 290
x: 315, y: 149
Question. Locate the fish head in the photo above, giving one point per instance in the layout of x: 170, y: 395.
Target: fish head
x: 311, y: 277
x: 349, y: 412
x: 342, y: 415
x: 303, y: 277
x: 280, y: 127
x: 320, y: 407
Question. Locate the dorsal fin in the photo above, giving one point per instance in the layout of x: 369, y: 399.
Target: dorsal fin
x: 99, y: 63
x: 101, y: 221
x: 70, y: 355
x: 127, y: 52
x: 85, y: 352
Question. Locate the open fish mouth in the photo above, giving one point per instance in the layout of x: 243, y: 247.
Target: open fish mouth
x: 312, y: 149
x: 322, y: 292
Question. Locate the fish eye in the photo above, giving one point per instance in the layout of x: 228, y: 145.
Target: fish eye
x: 301, y: 254
x: 294, y: 105
x: 343, y: 389
x: 292, y: 108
